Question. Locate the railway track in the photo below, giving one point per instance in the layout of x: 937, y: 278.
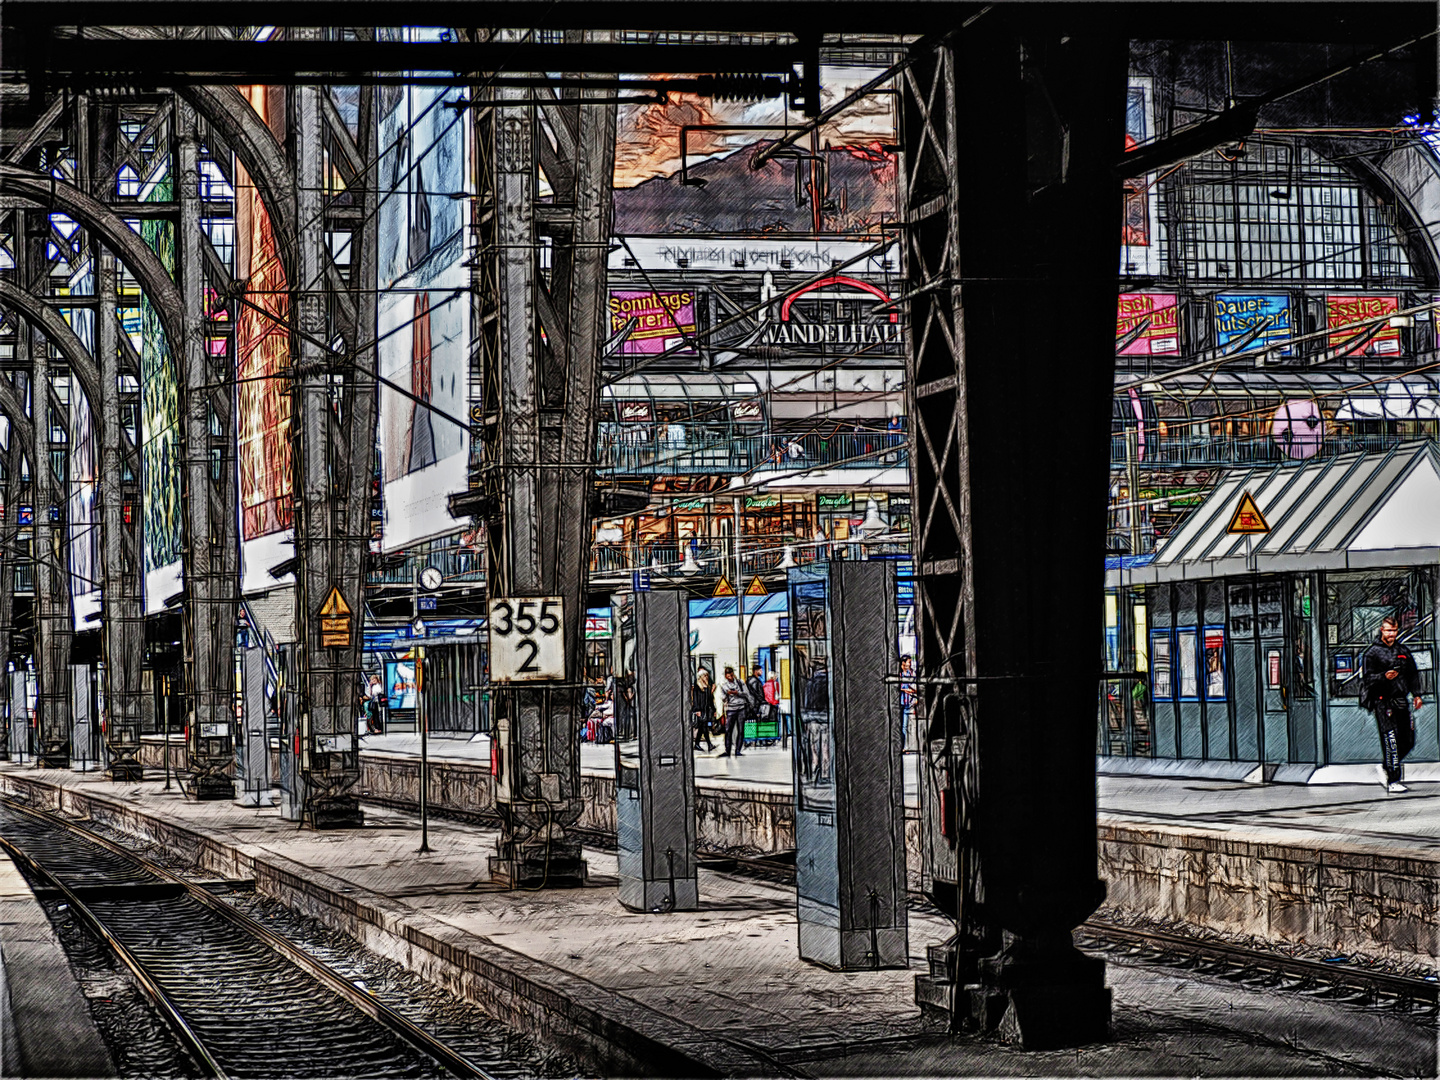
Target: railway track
x: 1263, y: 968
x: 242, y: 1001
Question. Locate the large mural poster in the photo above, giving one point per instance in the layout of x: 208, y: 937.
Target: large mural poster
x: 423, y: 326
x: 161, y: 460
x: 82, y: 515
x: 263, y: 400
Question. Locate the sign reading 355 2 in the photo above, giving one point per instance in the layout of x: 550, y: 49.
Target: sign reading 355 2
x: 527, y: 639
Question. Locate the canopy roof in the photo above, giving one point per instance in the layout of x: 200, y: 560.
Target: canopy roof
x: 1352, y: 511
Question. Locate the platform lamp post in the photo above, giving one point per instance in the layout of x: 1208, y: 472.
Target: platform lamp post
x: 421, y: 715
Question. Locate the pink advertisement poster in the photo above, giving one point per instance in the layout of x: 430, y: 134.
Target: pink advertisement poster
x: 1156, y: 313
x: 662, y: 319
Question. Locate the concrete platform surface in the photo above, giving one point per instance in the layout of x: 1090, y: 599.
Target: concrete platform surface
x: 45, y: 1025
x: 718, y: 991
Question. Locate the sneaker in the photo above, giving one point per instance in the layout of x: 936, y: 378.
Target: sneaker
x: 1396, y: 788
x: 1384, y: 777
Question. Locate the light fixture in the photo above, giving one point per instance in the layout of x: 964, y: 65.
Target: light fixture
x: 787, y: 561
x: 689, y: 566
x: 872, y: 525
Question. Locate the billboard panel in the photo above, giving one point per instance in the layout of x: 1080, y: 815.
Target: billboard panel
x: 662, y: 319
x: 1342, y: 311
x: 423, y: 314
x: 1154, y: 316
x: 161, y: 457
x: 1238, y: 315
x: 263, y: 401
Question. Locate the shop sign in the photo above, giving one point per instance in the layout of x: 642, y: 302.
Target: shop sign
x: 1237, y: 315
x: 832, y: 502
x: 634, y: 411
x: 1155, y: 317
x: 598, y: 624
x: 761, y: 502
x: 1342, y: 311
x: 745, y: 411
x: 808, y: 316
x: 662, y: 319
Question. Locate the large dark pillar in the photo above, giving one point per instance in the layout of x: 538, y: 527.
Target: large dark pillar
x: 1010, y: 133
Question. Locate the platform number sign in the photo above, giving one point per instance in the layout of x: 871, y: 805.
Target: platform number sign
x: 526, y: 639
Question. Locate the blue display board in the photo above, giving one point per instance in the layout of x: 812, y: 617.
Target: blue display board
x: 1237, y: 315
x: 400, y: 683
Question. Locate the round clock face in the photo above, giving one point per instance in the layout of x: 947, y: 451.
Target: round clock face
x: 430, y: 577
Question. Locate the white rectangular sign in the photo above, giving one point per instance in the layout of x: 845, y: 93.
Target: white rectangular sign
x: 526, y: 639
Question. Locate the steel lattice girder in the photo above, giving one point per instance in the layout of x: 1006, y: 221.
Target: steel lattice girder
x: 540, y: 409
x: 335, y: 409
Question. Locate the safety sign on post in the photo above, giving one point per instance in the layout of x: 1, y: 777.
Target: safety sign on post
x: 527, y: 638
x: 1248, y: 520
x: 334, y: 621
x: 756, y: 587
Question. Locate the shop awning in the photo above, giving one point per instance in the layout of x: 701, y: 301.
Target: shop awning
x: 852, y: 478
x: 1353, y: 511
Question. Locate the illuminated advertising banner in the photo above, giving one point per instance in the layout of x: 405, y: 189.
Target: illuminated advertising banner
x: 1344, y: 311
x: 423, y: 314
x: 161, y: 459
x: 262, y: 400
x: 662, y: 320
x: 1154, y: 315
x: 1238, y: 315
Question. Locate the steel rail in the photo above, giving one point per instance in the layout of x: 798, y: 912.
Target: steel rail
x: 362, y: 1001
x: 168, y: 1010
x: 1401, y: 986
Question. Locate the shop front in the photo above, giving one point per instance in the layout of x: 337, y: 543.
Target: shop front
x: 1253, y: 645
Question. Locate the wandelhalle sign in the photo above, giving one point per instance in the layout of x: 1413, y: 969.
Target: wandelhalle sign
x: 836, y: 310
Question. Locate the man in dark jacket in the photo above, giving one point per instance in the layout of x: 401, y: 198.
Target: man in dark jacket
x: 1390, y: 686
x: 755, y: 698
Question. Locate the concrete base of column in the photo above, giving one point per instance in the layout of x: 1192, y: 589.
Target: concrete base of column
x: 1047, y: 1000
x: 333, y: 812
x: 211, y: 786
x: 537, y: 865
x: 125, y: 771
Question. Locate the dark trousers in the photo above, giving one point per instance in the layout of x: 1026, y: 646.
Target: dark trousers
x: 734, y: 732
x: 1397, y: 738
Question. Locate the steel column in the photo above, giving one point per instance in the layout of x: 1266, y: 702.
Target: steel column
x: 334, y: 436
x: 211, y: 547
x: 122, y: 627
x: 1022, y: 119
x: 537, y: 437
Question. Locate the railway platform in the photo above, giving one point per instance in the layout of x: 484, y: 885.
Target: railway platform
x: 46, y: 1028
x: 719, y: 991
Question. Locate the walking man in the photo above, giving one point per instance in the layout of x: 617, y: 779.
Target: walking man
x: 737, y: 704
x: 1390, y: 687
x: 702, y: 707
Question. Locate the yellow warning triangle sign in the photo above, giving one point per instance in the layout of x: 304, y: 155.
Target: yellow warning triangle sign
x: 756, y: 587
x: 334, y: 605
x: 723, y: 588
x: 1248, y: 518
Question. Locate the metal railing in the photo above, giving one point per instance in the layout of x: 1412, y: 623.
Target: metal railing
x: 1197, y: 451
x: 668, y: 451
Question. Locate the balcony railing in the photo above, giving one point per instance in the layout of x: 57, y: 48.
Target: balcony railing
x: 685, y: 449
x: 456, y: 563
x: 1200, y: 451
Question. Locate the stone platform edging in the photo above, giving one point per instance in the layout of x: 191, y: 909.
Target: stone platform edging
x: 609, y: 1032
x: 1347, y: 896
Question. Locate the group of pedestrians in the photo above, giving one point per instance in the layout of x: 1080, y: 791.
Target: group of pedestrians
x: 741, y: 701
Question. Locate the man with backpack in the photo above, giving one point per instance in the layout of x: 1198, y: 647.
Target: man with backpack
x: 1390, y: 685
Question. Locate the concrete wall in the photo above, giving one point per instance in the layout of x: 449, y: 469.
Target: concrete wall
x: 1343, y: 898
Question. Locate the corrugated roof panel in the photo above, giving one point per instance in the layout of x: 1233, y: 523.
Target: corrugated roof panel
x: 1177, y: 545
x: 1357, y: 502
x: 1337, y: 486
x: 1274, y: 495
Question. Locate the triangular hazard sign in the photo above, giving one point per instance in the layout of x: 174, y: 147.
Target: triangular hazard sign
x: 724, y: 588
x: 334, y: 605
x: 1248, y: 518
x: 756, y: 587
